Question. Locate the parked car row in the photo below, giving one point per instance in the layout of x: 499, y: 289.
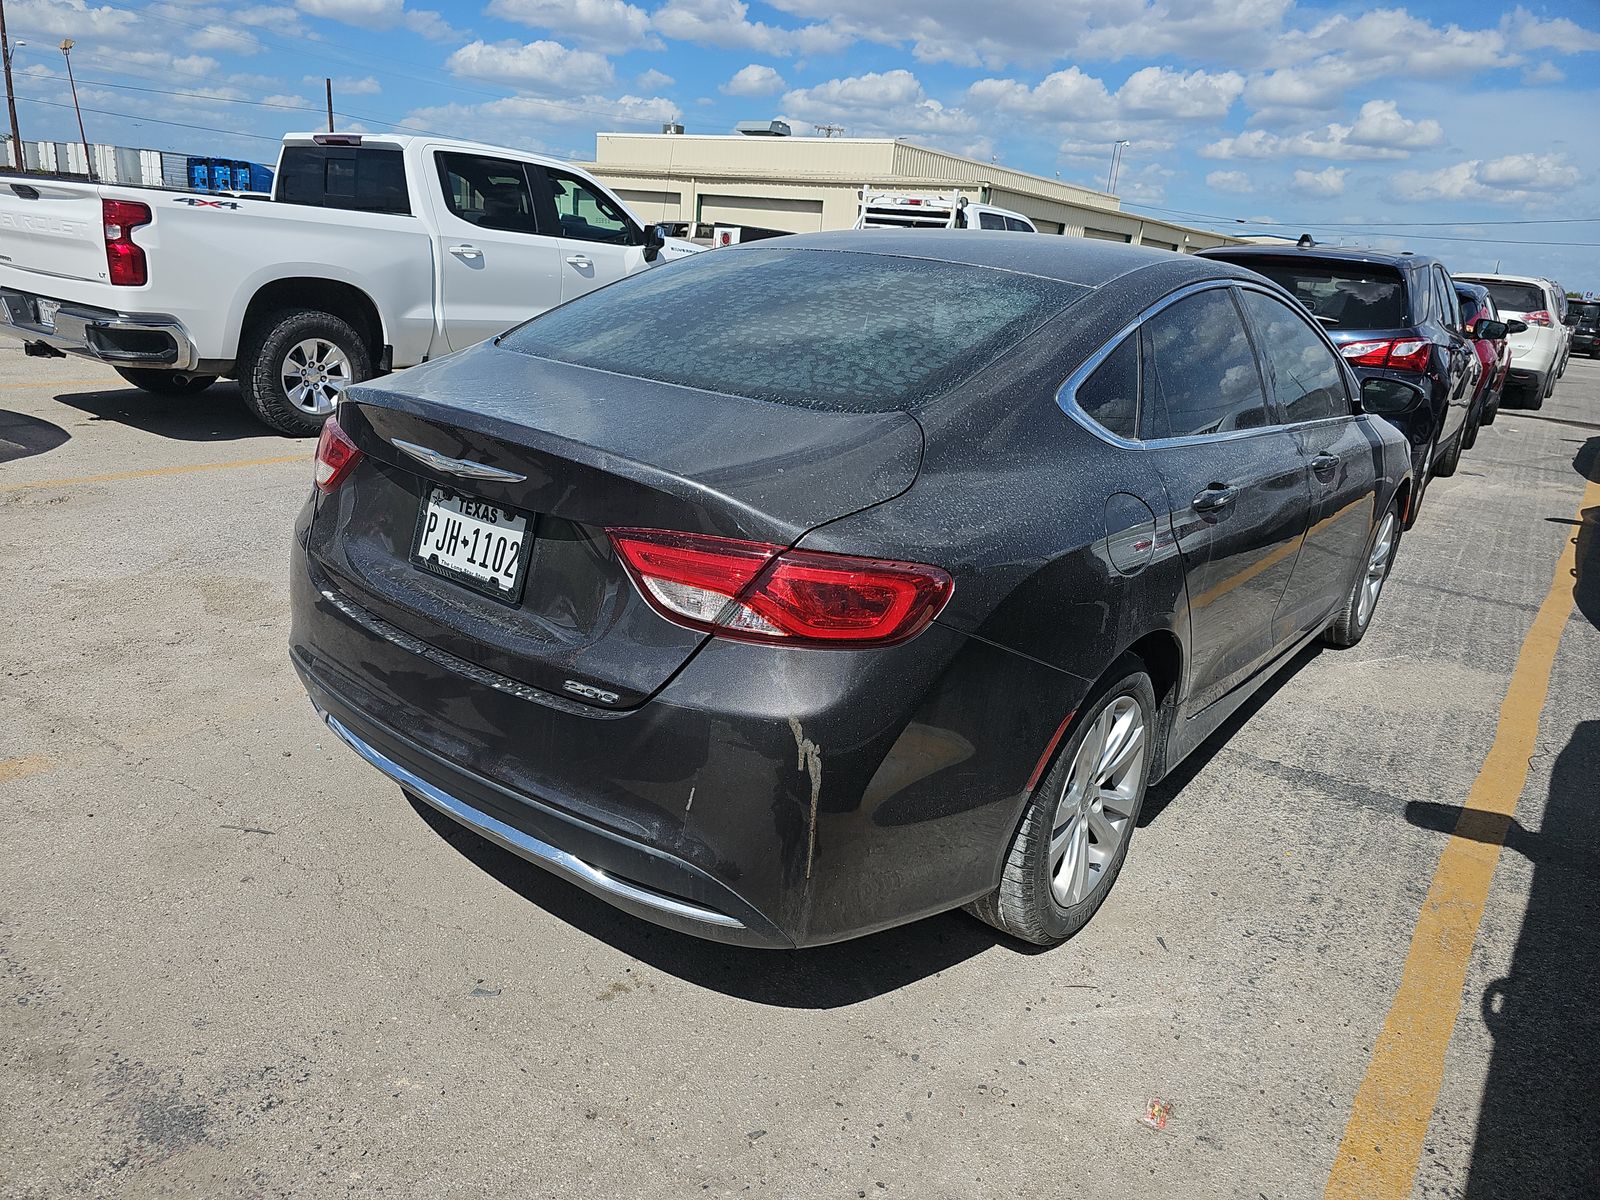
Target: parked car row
x: 780, y: 641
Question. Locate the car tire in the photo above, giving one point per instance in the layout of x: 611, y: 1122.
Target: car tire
x: 1492, y: 409
x: 321, y: 351
x: 166, y: 383
x: 1469, y: 435
x: 1053, y: 881
x: 1353, y: 619
x: 1533, y: 398
x: 1446, y: 462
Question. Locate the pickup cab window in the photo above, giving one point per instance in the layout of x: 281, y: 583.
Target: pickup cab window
x: 588, y: 215
x: 491, y: 193
x: 357, y: 178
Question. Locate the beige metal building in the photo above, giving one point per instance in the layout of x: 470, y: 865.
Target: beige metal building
x: 804, y: 184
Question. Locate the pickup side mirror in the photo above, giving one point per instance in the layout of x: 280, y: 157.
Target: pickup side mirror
x: 1389, y: 396
x: 655, y: 237
x: 1490, y: 331
x: 1516, y: 326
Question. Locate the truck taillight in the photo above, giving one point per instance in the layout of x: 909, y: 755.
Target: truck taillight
x: 125, y: 261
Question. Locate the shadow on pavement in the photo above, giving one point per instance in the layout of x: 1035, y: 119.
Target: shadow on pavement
x: 22, y: 436
x: 214, y: 415
x: 1586, y: 573
x: 823, y: 977
x: 1165, y: 792
x: 1536, y: 1134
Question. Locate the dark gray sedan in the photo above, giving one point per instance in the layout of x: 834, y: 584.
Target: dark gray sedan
x: 804, y: 588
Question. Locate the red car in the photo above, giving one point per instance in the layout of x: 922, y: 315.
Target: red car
x: 1493, y: 356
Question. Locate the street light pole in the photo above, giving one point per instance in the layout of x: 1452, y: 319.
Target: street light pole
x: 88, y: 158
x: 11, y: 95
x: 1116, y: 156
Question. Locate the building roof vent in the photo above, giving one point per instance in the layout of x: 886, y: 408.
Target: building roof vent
x: 764, y: 128
x: 672, y: 127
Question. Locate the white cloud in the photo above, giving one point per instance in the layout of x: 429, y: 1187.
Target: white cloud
x: 613, y: 25
x: 754, y: 80
x: 1161, y: 92
x: 1514, y: 179
x: 725, y: 23
x: 367, y: 85
x: 1545, y: 72
x: 379, y: 14
x: 564, y: 128
x: 1379, y: 132
x: 546, y: 66
x: 888, y: 104
x: 225, y: 40
x: 1560, y: 34
x: 1327, y: 182
x: 654, y: 80
x: 1229, y: 181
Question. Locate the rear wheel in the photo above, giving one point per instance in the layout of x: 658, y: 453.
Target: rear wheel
x: 1469, y: 435
x: 295, y: 364
x: 1446, y: 463
x: 167, y: 383
x: 1076, y: 828
x: 1350, y: 626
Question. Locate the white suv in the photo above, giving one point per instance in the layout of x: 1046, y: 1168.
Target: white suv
x: 1538, y: 352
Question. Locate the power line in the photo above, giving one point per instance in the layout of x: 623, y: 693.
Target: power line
x: 1360, y: 225
x: 101, y: 112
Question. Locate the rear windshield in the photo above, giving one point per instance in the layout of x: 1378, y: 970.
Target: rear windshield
x: 1516, y: 297
x: 832, y: 330
x: 359, y: 178
x: 1341, y: 295
x: 1588, y: 314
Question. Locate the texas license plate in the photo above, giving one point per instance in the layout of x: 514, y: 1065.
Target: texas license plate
x: 473, y: 542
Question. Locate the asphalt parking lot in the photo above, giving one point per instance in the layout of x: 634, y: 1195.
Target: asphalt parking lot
x: 237, y: 963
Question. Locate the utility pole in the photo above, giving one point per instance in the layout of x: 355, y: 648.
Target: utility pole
x: 1116, y: 159
x: 88, y: 158
x: 329, y: 84
x: 11, y: 95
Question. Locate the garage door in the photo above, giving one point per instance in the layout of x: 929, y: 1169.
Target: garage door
x: 1105, y: 235
x: 764, y: 212
x: 653, y: 206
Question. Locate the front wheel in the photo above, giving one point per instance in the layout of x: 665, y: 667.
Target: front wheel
x: 295, y: 364
x: 166, y: 383
x: 1075, y: 831
x: 1350, y: 626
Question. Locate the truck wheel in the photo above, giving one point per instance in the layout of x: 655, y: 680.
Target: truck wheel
x: 167, y: 383
x: 295, y: 363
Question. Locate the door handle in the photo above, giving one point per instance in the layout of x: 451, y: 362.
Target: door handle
x: 1325, y: 464
x: 580, y: 260
x: 466, y: 251
x: 1215, y: 498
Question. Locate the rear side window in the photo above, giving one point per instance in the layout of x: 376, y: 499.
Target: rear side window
x: 1341, y: 295
x: 1110, y: 395
x: 1200, y: 375
x: 1516, y: 297
x: 835, y: 330
x: 991, y: 221
x: 491, y: 193
x: 1449, y: 304
x: 1305, y: 375
x: 1017, y: 225
x: 358, y: 178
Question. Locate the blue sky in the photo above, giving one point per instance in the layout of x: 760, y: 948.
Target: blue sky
x: 1337, y: 119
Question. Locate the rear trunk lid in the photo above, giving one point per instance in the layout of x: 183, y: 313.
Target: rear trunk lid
x: 594, y: 450
x: 52, y: 229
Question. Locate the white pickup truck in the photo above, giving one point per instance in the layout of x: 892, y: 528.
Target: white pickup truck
x: 374, y: 253
x: 934, y: 210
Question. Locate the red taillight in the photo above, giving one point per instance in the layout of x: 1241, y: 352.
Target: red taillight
x: 1400, y: 354
x: 337, y: 456
x: 125, y: 261
x: 1542, y: 317
x: 758, y: 592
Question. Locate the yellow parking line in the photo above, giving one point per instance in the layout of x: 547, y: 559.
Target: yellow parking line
x: 1389, y: 1120
x: 62, y: 383
x: 153, y: 472
x: 17, y: 768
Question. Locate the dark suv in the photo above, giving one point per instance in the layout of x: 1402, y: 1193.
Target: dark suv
x: 1392, y: 316
x: 1584, y: 317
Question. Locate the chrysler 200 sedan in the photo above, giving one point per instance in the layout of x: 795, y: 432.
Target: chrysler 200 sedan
x: 818, y: 585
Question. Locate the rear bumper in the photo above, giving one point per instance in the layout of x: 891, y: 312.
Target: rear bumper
x: 123, y: 339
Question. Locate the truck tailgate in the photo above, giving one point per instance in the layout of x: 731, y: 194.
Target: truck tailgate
x: 52, y: 229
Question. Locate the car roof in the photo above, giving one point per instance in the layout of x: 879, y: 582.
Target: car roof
x: 1474, y: 289
x: 1483, y: 276
x: 1081, y: 261
x: 1404, y: 259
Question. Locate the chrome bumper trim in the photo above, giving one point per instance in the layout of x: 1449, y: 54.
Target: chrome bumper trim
x: 69, y: 329
x: 531, y: 848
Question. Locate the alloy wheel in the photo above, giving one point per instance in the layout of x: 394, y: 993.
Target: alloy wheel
x: 315, y: 372
x: 1377, y: 569
x: 1094, y: 815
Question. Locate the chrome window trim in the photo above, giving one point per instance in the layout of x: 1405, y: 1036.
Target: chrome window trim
x: 1067, y: 393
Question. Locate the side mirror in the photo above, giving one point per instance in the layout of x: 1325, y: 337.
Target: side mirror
x: 1490, y: 331
x: 655, y: 237
x: 1516, y: 326
x: 1389, y: 396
